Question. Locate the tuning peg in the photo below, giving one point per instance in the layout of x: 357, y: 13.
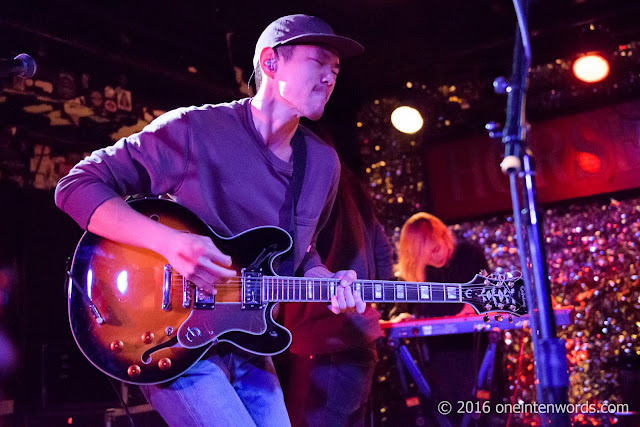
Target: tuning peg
x: 499, y: 317
x: 486, y: 318
x: 510, y: 319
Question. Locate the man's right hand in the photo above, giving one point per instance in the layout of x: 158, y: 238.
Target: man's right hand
x: 198, y: 259
x: 192, y: 255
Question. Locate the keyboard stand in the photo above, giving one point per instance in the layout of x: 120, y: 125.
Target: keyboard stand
x: 403, y: 358
x: 482, y: 389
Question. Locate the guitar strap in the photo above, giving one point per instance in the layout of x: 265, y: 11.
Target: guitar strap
x: 299, y: 155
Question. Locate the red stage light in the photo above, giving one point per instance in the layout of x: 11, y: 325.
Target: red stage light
x: 588, y: 162
x: 412, y: 401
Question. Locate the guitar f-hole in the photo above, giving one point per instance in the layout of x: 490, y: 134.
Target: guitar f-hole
x: 146, y: 356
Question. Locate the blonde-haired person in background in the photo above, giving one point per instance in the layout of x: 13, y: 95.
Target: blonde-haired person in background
x: 428, y: 251
x: 424, y: 241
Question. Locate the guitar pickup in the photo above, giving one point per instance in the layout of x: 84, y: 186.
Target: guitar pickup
x: 251, y: 290
x: 203, y: 299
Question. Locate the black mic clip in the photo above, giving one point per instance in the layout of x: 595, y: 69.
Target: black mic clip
x: 22, y: 66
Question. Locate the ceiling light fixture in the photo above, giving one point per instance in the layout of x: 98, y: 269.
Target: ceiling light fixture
x: 591, y: 68
x: 407, y: 119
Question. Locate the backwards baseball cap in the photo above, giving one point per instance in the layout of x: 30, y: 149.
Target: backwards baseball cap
x: 304, y: 29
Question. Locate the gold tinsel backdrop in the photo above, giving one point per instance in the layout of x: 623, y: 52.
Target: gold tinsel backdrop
x: 593, y: 257
x: 592, y: 244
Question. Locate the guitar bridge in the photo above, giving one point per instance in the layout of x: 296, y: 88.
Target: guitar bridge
x: 186, y: 293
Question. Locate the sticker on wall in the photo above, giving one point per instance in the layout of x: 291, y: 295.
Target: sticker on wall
x: 66, y: 86
x: 124, y: 99
x: 96, y: 99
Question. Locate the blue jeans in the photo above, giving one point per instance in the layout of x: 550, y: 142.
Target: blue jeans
x: 229, y: 387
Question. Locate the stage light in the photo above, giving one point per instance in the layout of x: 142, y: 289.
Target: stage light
x: 589, y: 162
x: 407, y: 119
x: 591, y: 68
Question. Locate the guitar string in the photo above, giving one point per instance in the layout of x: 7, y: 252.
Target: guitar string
x: 388, y: 287
x: 289, y: 278
x: 481, y: 303
x: 280, y: 281
x: 474, y: 299
x: 385, y: 286
x: 370, y: 286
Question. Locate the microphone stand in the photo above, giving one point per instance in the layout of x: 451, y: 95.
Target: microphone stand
x: 549, y: 351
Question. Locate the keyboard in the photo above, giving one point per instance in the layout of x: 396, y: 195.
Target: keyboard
x: 451, y: 325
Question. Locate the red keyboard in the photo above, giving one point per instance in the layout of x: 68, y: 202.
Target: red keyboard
x: 462, y: 324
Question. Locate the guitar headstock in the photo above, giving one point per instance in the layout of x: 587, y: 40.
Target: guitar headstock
x: 496, y: 293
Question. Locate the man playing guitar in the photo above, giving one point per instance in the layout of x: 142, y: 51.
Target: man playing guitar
x: 232, y: 165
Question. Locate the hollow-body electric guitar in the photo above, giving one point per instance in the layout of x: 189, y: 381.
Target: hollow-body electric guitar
x: 139, y: 321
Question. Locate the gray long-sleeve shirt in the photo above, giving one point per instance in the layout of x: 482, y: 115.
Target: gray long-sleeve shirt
x: 213, y: 161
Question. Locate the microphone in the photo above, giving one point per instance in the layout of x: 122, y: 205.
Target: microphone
x: 22, y: 66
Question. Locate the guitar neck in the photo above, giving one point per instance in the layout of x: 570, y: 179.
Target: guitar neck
x: 304, y: 289
x: 503, y: 293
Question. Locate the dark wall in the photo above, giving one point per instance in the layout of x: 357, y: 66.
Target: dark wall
x: 37, y: 238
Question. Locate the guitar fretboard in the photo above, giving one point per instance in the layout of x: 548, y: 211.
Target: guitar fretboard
x: 303, y: 289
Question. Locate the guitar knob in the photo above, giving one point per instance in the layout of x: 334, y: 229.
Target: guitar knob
x: 510, y: 319
x: 486, y: 318
x: 148, y: 337
x: 116, y: 346
x: 499, y: 317
x: 134, y: 371
x: 164, y: 364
